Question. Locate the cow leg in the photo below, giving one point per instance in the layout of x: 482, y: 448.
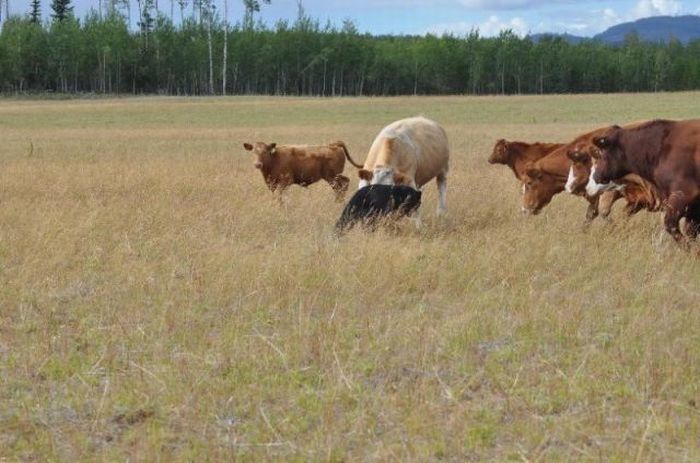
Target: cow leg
x: 278, y: 196
x: 442, y: 193
x: 340, y: 184
x: 592, y: 211
x: 676, y: 204
x: 605, y: 203
x: 417, y: 221
x: 416, y: 218
x: 633, y: 208
x: 277, y: 190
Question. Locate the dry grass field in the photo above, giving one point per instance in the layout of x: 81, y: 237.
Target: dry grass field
x: 157, y: 304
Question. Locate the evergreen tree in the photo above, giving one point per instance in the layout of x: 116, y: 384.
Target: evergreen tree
x: 35, y: 13
x: 61, y: 9
x: 251, y: 7
x: 147, y: 18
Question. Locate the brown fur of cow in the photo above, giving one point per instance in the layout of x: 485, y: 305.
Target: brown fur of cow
x: 517, y: 154
x: 285, y: 165
x: 664, y: 153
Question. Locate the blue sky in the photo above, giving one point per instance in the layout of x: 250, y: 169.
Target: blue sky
x: 580, y: 17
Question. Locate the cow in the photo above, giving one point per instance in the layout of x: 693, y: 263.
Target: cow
x: 285, y: 165
x: 409, y: 152
x: 638, y: 193
x: 663, y: 152
x: 583, y: 154
x: 374, y: 202
x: 517, y: 154
x: 547, y: 177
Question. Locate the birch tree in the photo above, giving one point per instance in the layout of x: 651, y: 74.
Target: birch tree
x: 208, y: 11
x: 225, y: 57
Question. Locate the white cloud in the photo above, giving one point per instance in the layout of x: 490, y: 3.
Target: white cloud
x: 610, y: 16
x: 489, y: 28
x: 456, y: 28
x: 494, y: 25
x: 584, y: 21
x: 599, y: 20
x: 646, y: 8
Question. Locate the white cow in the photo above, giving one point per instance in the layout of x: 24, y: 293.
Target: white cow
x: 409, y: 152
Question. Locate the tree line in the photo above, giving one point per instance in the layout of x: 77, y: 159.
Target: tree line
x: 202, y: 54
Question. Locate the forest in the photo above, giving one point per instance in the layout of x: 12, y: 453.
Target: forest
x: 202, y: 54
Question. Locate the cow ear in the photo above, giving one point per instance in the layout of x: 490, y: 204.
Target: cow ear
x: 400, y: 179
x: 364, y: 174
x: 273, y: 148
x: 533, y: 172
x: 500, y: 151
x: 248, y: 146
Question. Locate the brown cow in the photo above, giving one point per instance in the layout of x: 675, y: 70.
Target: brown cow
x: 638, y: 193
x: 547, y: 177
x: 285, y: 165
x: 537, y: 190
x: 666, y: 154
x: 550, y: 175
x: 517, y: 155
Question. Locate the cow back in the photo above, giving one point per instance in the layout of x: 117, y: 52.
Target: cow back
x: 417, y: 147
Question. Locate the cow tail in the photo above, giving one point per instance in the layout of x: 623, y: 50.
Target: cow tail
x: 347, y: 154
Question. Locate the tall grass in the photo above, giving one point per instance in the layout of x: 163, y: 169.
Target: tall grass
x: 158, y: 304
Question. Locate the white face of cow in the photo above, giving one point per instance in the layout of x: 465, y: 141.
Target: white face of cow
x: 383, y: 176
x: 593, y: 188
x: 570, y: 181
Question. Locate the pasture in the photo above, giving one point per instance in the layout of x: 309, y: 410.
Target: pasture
x: 157, y: 304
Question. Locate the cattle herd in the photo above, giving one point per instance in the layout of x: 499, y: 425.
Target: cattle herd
x: 653, y: 165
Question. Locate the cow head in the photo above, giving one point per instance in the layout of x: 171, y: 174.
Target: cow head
x: 500, y: 154
x: 539, y: 188
x: 264, y: 153
x: 383, y: 176
x: 611, y: 165
x: 579, y: 171
x: 365, y: 177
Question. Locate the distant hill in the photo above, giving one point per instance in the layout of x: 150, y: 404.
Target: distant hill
x: 654, y: 29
